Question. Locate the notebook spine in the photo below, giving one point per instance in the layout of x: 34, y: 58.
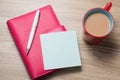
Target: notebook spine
x: 20, y: 49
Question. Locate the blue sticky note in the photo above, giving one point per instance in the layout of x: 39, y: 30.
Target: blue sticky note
x: 60, y: 50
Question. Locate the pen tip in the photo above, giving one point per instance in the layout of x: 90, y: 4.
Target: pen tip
x: 27, y: 50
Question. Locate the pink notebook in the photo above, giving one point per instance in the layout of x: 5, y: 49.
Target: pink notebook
x: 20, y: 28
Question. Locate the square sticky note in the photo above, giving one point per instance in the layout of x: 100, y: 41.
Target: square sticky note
x: 60, y: 50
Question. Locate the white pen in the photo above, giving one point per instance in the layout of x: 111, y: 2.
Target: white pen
x: 32, y: 32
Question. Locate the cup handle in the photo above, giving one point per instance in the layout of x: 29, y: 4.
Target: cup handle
x: 108, y: 6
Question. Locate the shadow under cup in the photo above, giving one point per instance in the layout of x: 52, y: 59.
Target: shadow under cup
x: 90, y: 38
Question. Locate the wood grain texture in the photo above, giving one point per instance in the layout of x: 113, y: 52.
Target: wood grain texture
x: 99, y: 62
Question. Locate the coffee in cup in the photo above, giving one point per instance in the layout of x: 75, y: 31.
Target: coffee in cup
x: 97, y: 24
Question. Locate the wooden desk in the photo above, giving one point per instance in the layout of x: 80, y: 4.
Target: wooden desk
x: 99, y: 62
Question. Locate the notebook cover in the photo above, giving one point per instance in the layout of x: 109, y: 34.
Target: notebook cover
x: 20, y: 28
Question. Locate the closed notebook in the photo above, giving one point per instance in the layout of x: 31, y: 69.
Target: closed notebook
x: 20, y: 28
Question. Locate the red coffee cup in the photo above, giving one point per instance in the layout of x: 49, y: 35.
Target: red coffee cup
x: 91, y: 38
